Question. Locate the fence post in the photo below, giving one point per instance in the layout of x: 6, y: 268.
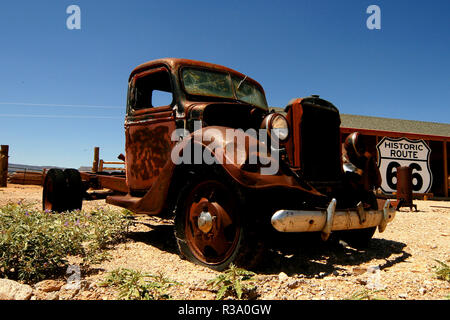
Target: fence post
x: 4, y: 165
x: 96, y: 159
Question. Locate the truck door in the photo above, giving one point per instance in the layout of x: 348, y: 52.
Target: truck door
x: 148, y: 127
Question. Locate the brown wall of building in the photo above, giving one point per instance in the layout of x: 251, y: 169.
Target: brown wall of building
x: 437, y: 167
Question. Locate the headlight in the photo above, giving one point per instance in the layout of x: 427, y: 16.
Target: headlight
x: 277, y: 125
x: 280, y: 127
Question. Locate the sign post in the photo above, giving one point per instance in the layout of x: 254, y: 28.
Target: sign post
x: 393, y: 153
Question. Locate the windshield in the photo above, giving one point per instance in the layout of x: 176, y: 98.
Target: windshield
x: 218, y: 84
x: 248, y: 92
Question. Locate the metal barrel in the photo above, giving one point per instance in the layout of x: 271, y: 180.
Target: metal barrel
x: 404, y: 186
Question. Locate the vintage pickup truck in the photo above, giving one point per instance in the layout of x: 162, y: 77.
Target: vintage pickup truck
x: 204, y: 148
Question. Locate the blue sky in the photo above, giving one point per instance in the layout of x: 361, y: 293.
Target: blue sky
x: 293, y: 48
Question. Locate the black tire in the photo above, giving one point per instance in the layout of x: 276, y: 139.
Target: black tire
x: 74, y: 189
x: 232, y: 237
x: 55, y: 191
x: 360, y: 238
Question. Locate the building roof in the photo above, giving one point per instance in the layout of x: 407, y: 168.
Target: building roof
x: 395, y: 125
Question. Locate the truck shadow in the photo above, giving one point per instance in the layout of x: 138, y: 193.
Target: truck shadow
x: 308, y: 255
x: 159, y: 236
x: 304, y: 254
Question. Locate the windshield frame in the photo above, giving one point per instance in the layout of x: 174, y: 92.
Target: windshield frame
x: 230, y: 76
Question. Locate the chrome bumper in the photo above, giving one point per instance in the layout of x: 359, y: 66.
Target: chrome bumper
x: 332, y: 220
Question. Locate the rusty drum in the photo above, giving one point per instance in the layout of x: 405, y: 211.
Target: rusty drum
x: 404, y: 187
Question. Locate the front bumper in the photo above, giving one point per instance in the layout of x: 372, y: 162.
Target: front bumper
x: 330, y: 220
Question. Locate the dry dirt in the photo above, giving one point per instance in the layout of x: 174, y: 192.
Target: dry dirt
x: 299, y: 268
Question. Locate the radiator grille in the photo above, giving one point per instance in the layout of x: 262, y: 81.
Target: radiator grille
x: 320, y: 142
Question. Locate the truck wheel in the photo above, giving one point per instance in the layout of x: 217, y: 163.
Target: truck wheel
x: 55, y: 191
x: 74, y: 189
x: 360, y: 238
x: 211, y: 227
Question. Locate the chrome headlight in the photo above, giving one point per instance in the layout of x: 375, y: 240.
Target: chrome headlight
x: 277, y: 126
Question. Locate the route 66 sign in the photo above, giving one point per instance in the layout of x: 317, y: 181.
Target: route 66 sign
x: 393, y: 153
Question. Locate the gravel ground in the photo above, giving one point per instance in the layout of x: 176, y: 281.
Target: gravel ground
x: 399, y: 263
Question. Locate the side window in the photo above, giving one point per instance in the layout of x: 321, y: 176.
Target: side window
x: 161, y: 98
x: 150, y: 89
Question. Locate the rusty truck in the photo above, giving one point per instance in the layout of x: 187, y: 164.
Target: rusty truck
x: 224, y: 205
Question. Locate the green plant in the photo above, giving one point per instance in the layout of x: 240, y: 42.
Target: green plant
x: 442, y: 271
x: 364, y: 294
x: 135, y: 285
x: 231, y: 282
x: 35, y: 244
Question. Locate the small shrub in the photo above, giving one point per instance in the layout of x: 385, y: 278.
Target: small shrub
x: 35, y: 244
x: 231, y: 282
x: 364, y: 294
x: 135, y: 285
x: 442, y: 271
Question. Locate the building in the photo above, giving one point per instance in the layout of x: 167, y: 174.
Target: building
x: 410, y: 135
x: 436, y: 136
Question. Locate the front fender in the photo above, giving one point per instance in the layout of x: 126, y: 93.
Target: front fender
x: 243, y: 155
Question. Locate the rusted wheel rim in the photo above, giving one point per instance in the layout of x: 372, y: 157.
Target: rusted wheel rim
x: 212, y: 224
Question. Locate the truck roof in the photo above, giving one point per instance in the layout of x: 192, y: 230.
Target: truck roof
x: 175, y: 63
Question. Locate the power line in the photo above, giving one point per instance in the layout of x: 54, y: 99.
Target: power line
x: 56, y: 116
x: 59, y: 105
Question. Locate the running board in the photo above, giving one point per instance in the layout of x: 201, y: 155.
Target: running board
x: 126, y: 201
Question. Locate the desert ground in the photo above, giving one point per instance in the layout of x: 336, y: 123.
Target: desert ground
x: 400, y: 263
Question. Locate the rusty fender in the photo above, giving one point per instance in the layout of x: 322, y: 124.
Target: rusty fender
x: 233, y: 152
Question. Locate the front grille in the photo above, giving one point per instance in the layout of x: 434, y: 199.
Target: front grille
x: 320, y: 141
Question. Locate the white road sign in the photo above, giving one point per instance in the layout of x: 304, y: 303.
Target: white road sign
x: 393, y: 153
